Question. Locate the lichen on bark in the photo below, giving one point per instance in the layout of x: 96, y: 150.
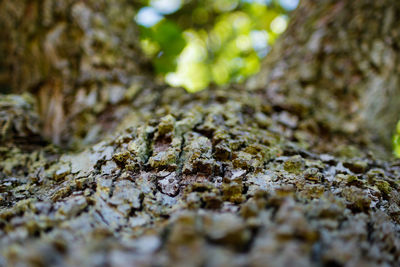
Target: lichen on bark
x: 221, y: 177
x: 191, y: 182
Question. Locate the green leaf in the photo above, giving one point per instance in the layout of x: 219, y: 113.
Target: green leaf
x: 169, y: 38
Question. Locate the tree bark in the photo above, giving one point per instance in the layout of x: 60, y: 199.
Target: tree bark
x: 237, y: 176
x: 77, y: 57
x: 338, y: 64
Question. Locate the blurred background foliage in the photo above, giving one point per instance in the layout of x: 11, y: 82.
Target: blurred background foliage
x: 396, y: 141
x: 195, y: 43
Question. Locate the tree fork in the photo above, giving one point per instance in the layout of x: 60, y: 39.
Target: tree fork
x: 223, y: 177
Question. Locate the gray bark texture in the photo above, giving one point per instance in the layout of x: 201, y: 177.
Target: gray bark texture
x: 286, y: 170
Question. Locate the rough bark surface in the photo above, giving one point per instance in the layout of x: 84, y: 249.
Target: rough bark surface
x: 339, y: 67
x: 77, y: 57
x: 232, y: 177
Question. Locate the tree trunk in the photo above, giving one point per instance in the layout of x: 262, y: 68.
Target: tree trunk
x: 277, y: 173
x: 339, y: 63
x: 77, y: 57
